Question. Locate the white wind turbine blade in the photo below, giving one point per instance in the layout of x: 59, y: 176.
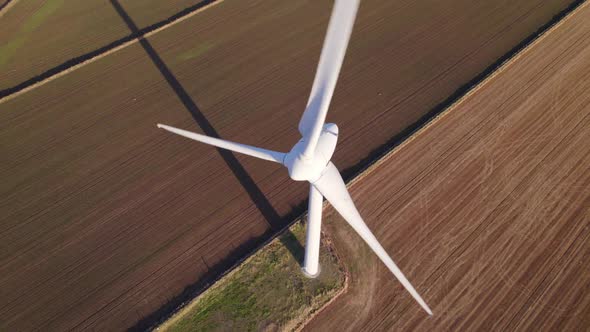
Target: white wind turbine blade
x: 236, y: 147
x: 335, y: 44
x: 334, y: 190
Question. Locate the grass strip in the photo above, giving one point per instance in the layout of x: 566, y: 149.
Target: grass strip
x: 267, y: 292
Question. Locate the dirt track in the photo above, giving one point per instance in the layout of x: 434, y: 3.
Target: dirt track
x: 105, y: 218
x: 487, y: 210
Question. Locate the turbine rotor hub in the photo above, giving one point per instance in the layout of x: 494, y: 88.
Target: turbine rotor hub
x: 304, y: 168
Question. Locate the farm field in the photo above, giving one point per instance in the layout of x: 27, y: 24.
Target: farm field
x: 487, y: 210
x: 106, y: 220
x: 38, y: 35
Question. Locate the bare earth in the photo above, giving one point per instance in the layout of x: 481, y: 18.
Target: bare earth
x: 104, y: 219
x: 487, y: 210
x: 38, y: 35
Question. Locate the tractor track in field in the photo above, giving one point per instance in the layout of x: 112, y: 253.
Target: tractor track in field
x: 385, y: 153
x: 90, y: 57
x: 463, y: 93
x: 530, y: 302
x: 354, y: 172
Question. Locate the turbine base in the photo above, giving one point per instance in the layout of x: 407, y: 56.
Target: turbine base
x: 309, y: 275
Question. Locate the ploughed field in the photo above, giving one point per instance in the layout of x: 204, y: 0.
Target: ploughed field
x: 39, y: 35
x: 105, y: 219
x: 487, y: 210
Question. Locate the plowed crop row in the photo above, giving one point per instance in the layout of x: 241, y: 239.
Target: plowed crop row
x: 487, y: 210
x: 42, y: 35
x: 105, y: 219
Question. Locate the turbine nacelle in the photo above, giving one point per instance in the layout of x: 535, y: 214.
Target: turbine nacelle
x: 310, y: 168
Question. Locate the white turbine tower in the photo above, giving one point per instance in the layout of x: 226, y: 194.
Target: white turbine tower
x: 309, y: 159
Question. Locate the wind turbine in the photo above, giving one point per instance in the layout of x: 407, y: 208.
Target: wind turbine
x: 309, y: 159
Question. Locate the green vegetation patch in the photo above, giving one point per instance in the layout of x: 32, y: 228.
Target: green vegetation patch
x: 267, y: 292
x: 48, y: 8
x: 29, y: 26
x: 7, y: 50
x: 195, y: 52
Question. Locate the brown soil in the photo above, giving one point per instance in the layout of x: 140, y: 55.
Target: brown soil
x: 487, y: 210
x: 5, y: 5
x: 74, y: 29
x: 105, y: 219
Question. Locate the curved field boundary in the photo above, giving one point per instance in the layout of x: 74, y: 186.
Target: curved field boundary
x: 82, y: 60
